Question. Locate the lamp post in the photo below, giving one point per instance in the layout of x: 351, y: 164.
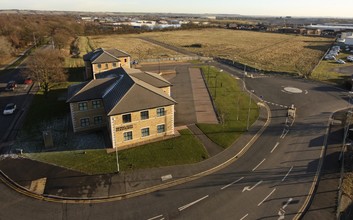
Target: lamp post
x: 244, y: 77
x: 117, y: 160
x: 247, y: 123
x: 215, y: 92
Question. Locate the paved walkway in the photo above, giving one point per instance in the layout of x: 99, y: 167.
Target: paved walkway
x: 202, y: 101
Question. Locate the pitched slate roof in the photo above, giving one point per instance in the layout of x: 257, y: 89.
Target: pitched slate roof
x: 121, y: 94
x: 93, y: 89
x: 151, y: 78
x: 101, y: 55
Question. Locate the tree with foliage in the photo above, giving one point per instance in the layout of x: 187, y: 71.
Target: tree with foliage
x: 46, y: 67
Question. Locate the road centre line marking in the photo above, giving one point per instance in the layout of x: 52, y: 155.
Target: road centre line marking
x: 244, y: 217
x: 232, y: 183
x: 191, y: 203
x: 155, y: 217
x: 287, y: 174
x: 267, y: 197
x: 275, y: 147
x: 259, y: 164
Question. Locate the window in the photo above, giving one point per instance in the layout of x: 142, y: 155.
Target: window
x: 160, y: 112
x: 127, y: 118
x: 144, y: 115
x: 106, y: 66
x: 82, y: 106
x: 99, y: 65
x: 96, y: 103
x: 114, y: 64
x: 145, y: 132
x: 127, y: 135
x: 84, y: 122
x: 125, y: 60
x: 160, y: 128
x: 98, y: 120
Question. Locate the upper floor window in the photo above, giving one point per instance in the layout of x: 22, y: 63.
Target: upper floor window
x: 127, y: 135
x: 125, y: 60
x: 144, y: 115
x: 82, y: 106
x: 106, y: 66
x: 160, y: 112
x: 114, y: 64
x: 84, y: 122
x: 127, y: 118
x: 98, y: 120
x: 99, y: 65
x: 96, y: 103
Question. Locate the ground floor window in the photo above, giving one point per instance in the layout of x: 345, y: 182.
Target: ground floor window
x: 145, y: 132
x: 84, y: 122
x: 128, y: 136
x: 98, y: 120
x: 160, y: 128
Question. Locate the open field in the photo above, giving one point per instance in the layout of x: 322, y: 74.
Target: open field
x: 267, y: 51
x: 137, y: 48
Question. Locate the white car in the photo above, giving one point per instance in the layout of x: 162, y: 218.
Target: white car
x: 9, y: 109
x: 350, y: 58
x: 340, y: 61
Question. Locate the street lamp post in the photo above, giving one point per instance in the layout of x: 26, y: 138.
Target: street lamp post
x: 215, y: 93
x: 117, y: 160
x: 238, y: 107
x: 248, y: 121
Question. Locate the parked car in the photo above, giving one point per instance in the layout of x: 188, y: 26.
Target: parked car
x: 9, y: 109
x: 329, y: 57
x: 28, y: 80
x: 340, y: 61
x: 11, y: 86
x: 350, y: 58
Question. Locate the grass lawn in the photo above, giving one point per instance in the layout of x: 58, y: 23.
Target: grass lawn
x: 185, y: 149
x: 233, y: 106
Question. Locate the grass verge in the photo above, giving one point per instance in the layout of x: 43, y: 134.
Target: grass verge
x: 185, y: 149
x: 233, y: 106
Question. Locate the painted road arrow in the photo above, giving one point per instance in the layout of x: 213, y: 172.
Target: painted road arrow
x: 248, y: 188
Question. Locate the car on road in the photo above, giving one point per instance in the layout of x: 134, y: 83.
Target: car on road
x: 9, y: 109
x: 350, y: 58
x: 27, y: 81
x: 11, y: 86
x: 340, y: 61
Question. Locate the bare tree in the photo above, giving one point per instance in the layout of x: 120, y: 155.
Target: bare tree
x: 46, y: 67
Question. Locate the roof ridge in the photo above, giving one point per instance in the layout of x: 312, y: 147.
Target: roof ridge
x: 160, y: 92
x: 161, y: 78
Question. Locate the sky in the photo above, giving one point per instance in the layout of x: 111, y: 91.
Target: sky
x: 295, y: 8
